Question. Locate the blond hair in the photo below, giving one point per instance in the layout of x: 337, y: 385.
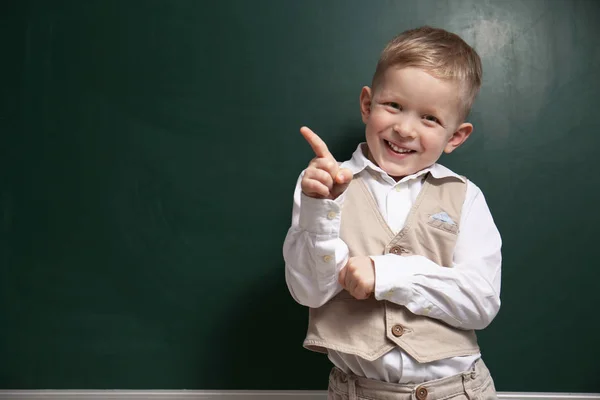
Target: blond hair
x: 440, y: 53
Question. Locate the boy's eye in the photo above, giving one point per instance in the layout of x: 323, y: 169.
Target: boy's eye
x: 394, y: 105
x: 432, y: 119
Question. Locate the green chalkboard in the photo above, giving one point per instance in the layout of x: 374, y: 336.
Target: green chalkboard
x: 149, y: 152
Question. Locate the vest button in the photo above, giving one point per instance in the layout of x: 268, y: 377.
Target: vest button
x: 421, y: 393
x: 397, y: 330
x: 396, y: 250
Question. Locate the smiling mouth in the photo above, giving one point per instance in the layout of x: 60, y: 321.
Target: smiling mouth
x: 396, y: 149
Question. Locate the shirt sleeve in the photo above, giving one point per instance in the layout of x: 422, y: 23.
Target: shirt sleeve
x: 313, y: 251
x: 466, y: 296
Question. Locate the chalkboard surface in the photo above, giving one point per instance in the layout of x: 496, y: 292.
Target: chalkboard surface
x: 149, y: 152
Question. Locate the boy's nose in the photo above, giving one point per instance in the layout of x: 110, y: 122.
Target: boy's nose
x: 404, y: 128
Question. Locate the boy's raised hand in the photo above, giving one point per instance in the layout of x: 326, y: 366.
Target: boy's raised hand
x: 323, y: 178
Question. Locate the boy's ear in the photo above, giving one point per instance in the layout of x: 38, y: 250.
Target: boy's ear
x: 459, y: 137
x: 366, y: 97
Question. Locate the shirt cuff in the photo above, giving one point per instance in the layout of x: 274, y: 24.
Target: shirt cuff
x: 392, y: 281
x: 321, y: 216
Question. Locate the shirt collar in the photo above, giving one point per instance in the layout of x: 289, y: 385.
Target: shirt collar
x: 360, y: 162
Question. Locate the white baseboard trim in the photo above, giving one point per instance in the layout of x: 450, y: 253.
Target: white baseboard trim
x: 233, y: 395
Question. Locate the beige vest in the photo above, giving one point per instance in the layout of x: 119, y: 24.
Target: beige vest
x: 370, y: 328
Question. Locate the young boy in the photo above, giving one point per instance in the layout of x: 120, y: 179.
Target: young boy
x: 398, y: 257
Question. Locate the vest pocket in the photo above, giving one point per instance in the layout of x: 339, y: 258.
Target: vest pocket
x: 450, y: 227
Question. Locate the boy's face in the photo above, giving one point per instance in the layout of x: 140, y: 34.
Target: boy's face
x: 411, y: 118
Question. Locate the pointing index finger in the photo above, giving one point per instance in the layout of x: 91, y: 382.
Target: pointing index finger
x: 316, y: 143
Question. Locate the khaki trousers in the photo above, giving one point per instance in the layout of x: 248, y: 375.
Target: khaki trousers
x: 476, y: 384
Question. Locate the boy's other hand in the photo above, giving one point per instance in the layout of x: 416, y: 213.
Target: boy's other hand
x: 323, y: 179
x: 358, y: 277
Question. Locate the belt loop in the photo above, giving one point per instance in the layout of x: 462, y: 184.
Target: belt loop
x: 352, y: 388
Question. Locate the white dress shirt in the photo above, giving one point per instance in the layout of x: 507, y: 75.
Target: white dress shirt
x: 466, y: 296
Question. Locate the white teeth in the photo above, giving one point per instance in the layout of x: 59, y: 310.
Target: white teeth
x: 397, y: 149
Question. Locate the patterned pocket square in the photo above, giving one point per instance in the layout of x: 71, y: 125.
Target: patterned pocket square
x: 442, y: 216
